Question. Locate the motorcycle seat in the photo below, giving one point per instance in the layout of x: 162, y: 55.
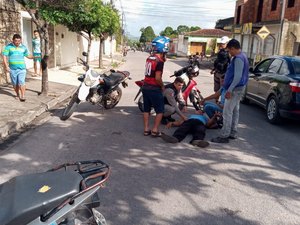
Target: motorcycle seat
x: 26, y: 197
x: 113, y: 79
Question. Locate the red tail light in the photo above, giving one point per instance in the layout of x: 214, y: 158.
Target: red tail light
x: 139, y: 83
x: 295, y: 86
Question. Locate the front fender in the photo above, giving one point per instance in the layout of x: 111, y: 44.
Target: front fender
x: 83, y: 92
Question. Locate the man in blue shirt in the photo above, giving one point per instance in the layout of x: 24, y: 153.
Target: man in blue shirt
x: 236, y: 78
x: 195, y: 125
x: 14, y: 63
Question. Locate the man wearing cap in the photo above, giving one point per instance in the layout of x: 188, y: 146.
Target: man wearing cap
x: 221, y: 63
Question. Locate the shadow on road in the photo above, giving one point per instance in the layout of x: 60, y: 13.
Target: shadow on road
x: 145, y: 169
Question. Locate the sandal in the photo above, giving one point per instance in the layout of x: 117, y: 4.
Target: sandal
x: 156, y: 134
x: 22, y: 99
x: 147, y: 132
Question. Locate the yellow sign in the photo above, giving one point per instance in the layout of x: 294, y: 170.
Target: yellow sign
x: 44, y: 189
x: 263, y: 32
x: 247, y: 28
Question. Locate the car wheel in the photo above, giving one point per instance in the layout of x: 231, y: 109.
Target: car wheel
x: 244, y: 99
x: 272, y: 111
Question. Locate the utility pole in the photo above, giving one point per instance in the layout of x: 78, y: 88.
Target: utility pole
x: 111, y: 37
x: 283, y: 4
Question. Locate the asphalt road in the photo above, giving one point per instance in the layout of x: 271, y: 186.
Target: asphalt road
x: 253, y: 180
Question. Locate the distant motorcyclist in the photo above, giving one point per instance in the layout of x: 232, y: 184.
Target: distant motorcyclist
x: 221, y: 63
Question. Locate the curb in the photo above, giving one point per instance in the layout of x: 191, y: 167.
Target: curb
x: 23, y: 121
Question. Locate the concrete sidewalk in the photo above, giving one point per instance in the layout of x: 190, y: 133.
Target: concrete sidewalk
x: 15, y: 114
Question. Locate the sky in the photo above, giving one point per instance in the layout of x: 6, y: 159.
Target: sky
x: 159, y: 14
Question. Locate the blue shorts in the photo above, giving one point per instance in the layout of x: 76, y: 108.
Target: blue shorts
x: 37, y: 57
x: 153, y: 98
x: 18, y: 76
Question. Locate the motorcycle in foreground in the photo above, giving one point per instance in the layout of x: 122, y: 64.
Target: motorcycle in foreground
x: 65, y: 195
x: 189, y: 89
x: 99, y: 89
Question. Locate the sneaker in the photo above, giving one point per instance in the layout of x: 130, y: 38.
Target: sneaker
x: 220, y: 140
x: 169, y: 139
x: 200, y: 143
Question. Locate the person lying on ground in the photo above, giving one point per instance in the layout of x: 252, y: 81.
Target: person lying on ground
x: 195, y: 125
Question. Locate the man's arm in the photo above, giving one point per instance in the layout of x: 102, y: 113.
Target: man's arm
x: 177, y: 123
x: 30, y: 56
x: 169, y: 94
x: 5, y: 62
x: 213, y: 96
x: 158, y: 78
x: 212, y: 121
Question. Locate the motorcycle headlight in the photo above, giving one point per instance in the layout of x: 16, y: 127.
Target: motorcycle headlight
x: 88, y: 82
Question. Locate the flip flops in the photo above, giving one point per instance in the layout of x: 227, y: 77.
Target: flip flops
x: 22, y: 99
x: 156, y: 134
x: 147, y: 132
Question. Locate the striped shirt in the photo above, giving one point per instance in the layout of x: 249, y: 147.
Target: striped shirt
x: 16, y: 56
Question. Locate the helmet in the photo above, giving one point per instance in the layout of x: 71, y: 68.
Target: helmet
x: 193, y: 71
x: 160, y: 44
x: 224, y: 39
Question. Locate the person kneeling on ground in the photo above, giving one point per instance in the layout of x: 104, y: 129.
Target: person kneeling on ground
x: 195, y: 125
x: 173, y: 101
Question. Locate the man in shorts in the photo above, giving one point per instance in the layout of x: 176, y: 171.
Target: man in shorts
x: 36, y: 47
x: 14, y: 63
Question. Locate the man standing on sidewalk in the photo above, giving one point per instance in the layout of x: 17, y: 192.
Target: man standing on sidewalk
x: 236, y: 78
x: 14, y: 63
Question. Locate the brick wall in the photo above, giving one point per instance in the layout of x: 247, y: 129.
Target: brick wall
x: 9, y: 25
x: 250, y: 10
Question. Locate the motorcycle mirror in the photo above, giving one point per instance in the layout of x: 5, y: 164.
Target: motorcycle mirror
x: 84, y: 54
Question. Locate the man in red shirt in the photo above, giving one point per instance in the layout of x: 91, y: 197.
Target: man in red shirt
x: 153, y: 85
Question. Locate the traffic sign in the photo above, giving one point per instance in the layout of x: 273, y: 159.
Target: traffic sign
x: 263, y: 32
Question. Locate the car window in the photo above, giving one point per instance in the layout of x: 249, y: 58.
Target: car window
x: 284, y: 69
x: 296, y: 65
x: 274, y: 66
x: 262, y: 67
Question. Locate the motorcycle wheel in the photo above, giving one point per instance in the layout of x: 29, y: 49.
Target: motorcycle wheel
x: 68, y: 111
x: 197, y: 98
x: 113, y: 98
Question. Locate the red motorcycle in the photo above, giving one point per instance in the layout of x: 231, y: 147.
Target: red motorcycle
x: 189, y: 89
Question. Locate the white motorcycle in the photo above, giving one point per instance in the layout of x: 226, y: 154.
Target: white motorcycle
x: 99, y: 89
x: 65, y: 195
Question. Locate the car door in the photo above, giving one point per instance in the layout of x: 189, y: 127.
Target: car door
x: 268, y: 81
x: 254, y: 75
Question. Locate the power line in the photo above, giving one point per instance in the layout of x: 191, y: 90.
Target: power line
x: 185, y: 6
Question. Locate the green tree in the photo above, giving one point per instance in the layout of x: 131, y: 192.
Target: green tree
x: 147, y: 34
x: 80, y: 17
x: 182, y: 29
x: 108, y: 24
x: 168, y: 31
x: 88, y: 18
x: 194, y: 28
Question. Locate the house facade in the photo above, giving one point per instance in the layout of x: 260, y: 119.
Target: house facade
x: 65, y: 46
x: 281, y: 20
x: 204, y: 40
